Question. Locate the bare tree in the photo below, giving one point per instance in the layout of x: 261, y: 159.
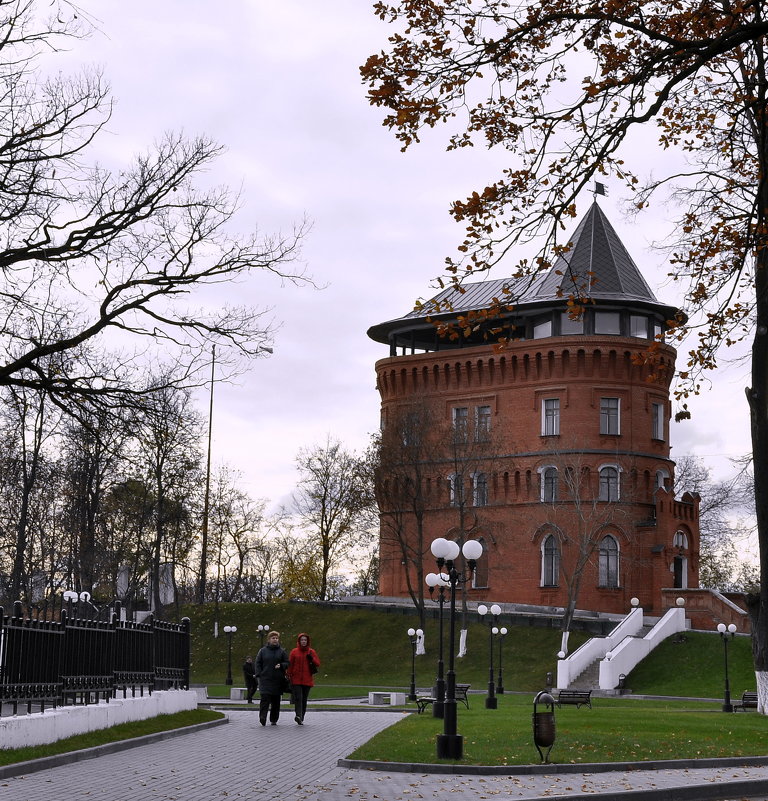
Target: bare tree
x: 334, y: 504
x: 85, y: 251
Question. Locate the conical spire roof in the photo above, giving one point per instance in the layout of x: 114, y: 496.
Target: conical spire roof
x: 597, y: 266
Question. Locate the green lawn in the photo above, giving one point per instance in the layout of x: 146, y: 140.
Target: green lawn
x: 614, y: 730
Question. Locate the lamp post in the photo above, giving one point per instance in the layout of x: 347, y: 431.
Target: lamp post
x: 414, y: 635
x: 501, y: 634
x: 262, y: 634
x: 491, y: 702
x: 727, y: 634
x: 229, y: 631
x: 450, y: 745
x: 433, y: 580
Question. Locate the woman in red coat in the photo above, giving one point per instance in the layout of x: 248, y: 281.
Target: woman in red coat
x: 303, y: 663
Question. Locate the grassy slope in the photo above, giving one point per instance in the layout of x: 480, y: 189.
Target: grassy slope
x: 366, y: 648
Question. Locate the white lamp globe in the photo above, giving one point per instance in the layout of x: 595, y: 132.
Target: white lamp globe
x: 438, y: 547
x: 495, y: 609
x: 721, y: 628
x: 732, y: 628
x: 432, y: 579
x: 482, y: 609
x: 452, y: 550
x: 503, y: 631
x: 495, y: 630
x: 472, y: 549
x: 419, y: 632
x: 411, y: 632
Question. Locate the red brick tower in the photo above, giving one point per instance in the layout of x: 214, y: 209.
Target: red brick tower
x: 553, y: 451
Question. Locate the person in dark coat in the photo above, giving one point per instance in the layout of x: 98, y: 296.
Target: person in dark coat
x: 271, y: 668
x: 249, y: 673
x: 303, y: 662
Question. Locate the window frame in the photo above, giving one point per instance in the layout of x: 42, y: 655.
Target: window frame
x: 479, y: 489
x: 608, y: 563
x: 610, y: 416
x: 608, y: 483
x: 658, y: 421
x: 549, y: 480
x: 553, y: 418
x: 550, y: 562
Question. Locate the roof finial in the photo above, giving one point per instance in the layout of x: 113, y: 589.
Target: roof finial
x: 599, y: 190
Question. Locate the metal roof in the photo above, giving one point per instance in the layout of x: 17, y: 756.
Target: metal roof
x: 598, y: 266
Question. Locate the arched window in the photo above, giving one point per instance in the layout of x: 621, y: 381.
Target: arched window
x: 482, y: 570
x: 609, y: 483
x: 680, y: 540
x: 609, y: 562
x: 550, y: 561
x: 548, y: 484
x: 479, y: 489
x: 662, y: 476
x: 456, y: 489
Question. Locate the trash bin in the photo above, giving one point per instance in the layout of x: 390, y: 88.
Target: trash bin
x: 544, y: 724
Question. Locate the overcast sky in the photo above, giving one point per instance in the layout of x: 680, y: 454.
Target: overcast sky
x: 277, y: 83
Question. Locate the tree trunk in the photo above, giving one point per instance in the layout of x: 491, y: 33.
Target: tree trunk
x: 757, y: 398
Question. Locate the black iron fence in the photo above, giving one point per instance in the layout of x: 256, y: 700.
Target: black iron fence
x: 80, y: 660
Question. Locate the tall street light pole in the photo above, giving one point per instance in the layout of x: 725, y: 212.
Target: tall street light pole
x: 491, y: 702
x: 450, y: 744
x: 229, y: 631
x: 206, y: 500
x: 502, y: 633
x: 433, y: 580
x: 726, y: 633
x: 414, y: 635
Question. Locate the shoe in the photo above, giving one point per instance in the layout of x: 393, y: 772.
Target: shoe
x: 274, y: 723
x: 299, y: 720
x: 263, y: 721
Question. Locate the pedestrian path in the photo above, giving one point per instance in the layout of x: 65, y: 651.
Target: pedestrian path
x: 243, y: 760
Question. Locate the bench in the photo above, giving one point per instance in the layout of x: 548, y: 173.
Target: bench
x: 748, y: 701
x: 423, y: 701
x: 577, y: 698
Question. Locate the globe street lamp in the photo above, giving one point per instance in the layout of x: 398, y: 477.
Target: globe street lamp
x: 727, y: 634
x: 491, y: 702
x: 450, y: 745
x: 414, y: 635
x: 229, y: 631
x: 262, y: 633
x: 433, y: 580
x: 501, y: 634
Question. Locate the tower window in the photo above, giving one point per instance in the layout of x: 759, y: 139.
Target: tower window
x: 479, y: 489
x: 548, y: 484
x: 609, y: 562
x: 610, y: 416
x: 657, y: 414
x: 607, y: 322
x: 550, y: 562
x: 609, y: 483
x: 550, y: 417
x: 482, y: 423
x: 459, y: 420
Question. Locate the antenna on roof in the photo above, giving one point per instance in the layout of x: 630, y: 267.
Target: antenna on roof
x: 599, y: 190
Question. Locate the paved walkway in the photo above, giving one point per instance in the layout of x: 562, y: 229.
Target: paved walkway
x: 243, y: 760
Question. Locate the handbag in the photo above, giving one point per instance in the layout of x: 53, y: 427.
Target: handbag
x: 286, y: 688
x: 312, y: 665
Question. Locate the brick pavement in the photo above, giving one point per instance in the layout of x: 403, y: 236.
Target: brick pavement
x: 243, y: 760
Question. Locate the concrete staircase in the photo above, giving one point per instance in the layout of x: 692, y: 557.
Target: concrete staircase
x: 589, y: 679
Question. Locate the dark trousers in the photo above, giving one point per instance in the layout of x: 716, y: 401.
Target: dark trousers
x: 269, y: 703
x: 300, y: 695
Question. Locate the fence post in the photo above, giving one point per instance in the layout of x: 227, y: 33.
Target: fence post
x: 186, y: 626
